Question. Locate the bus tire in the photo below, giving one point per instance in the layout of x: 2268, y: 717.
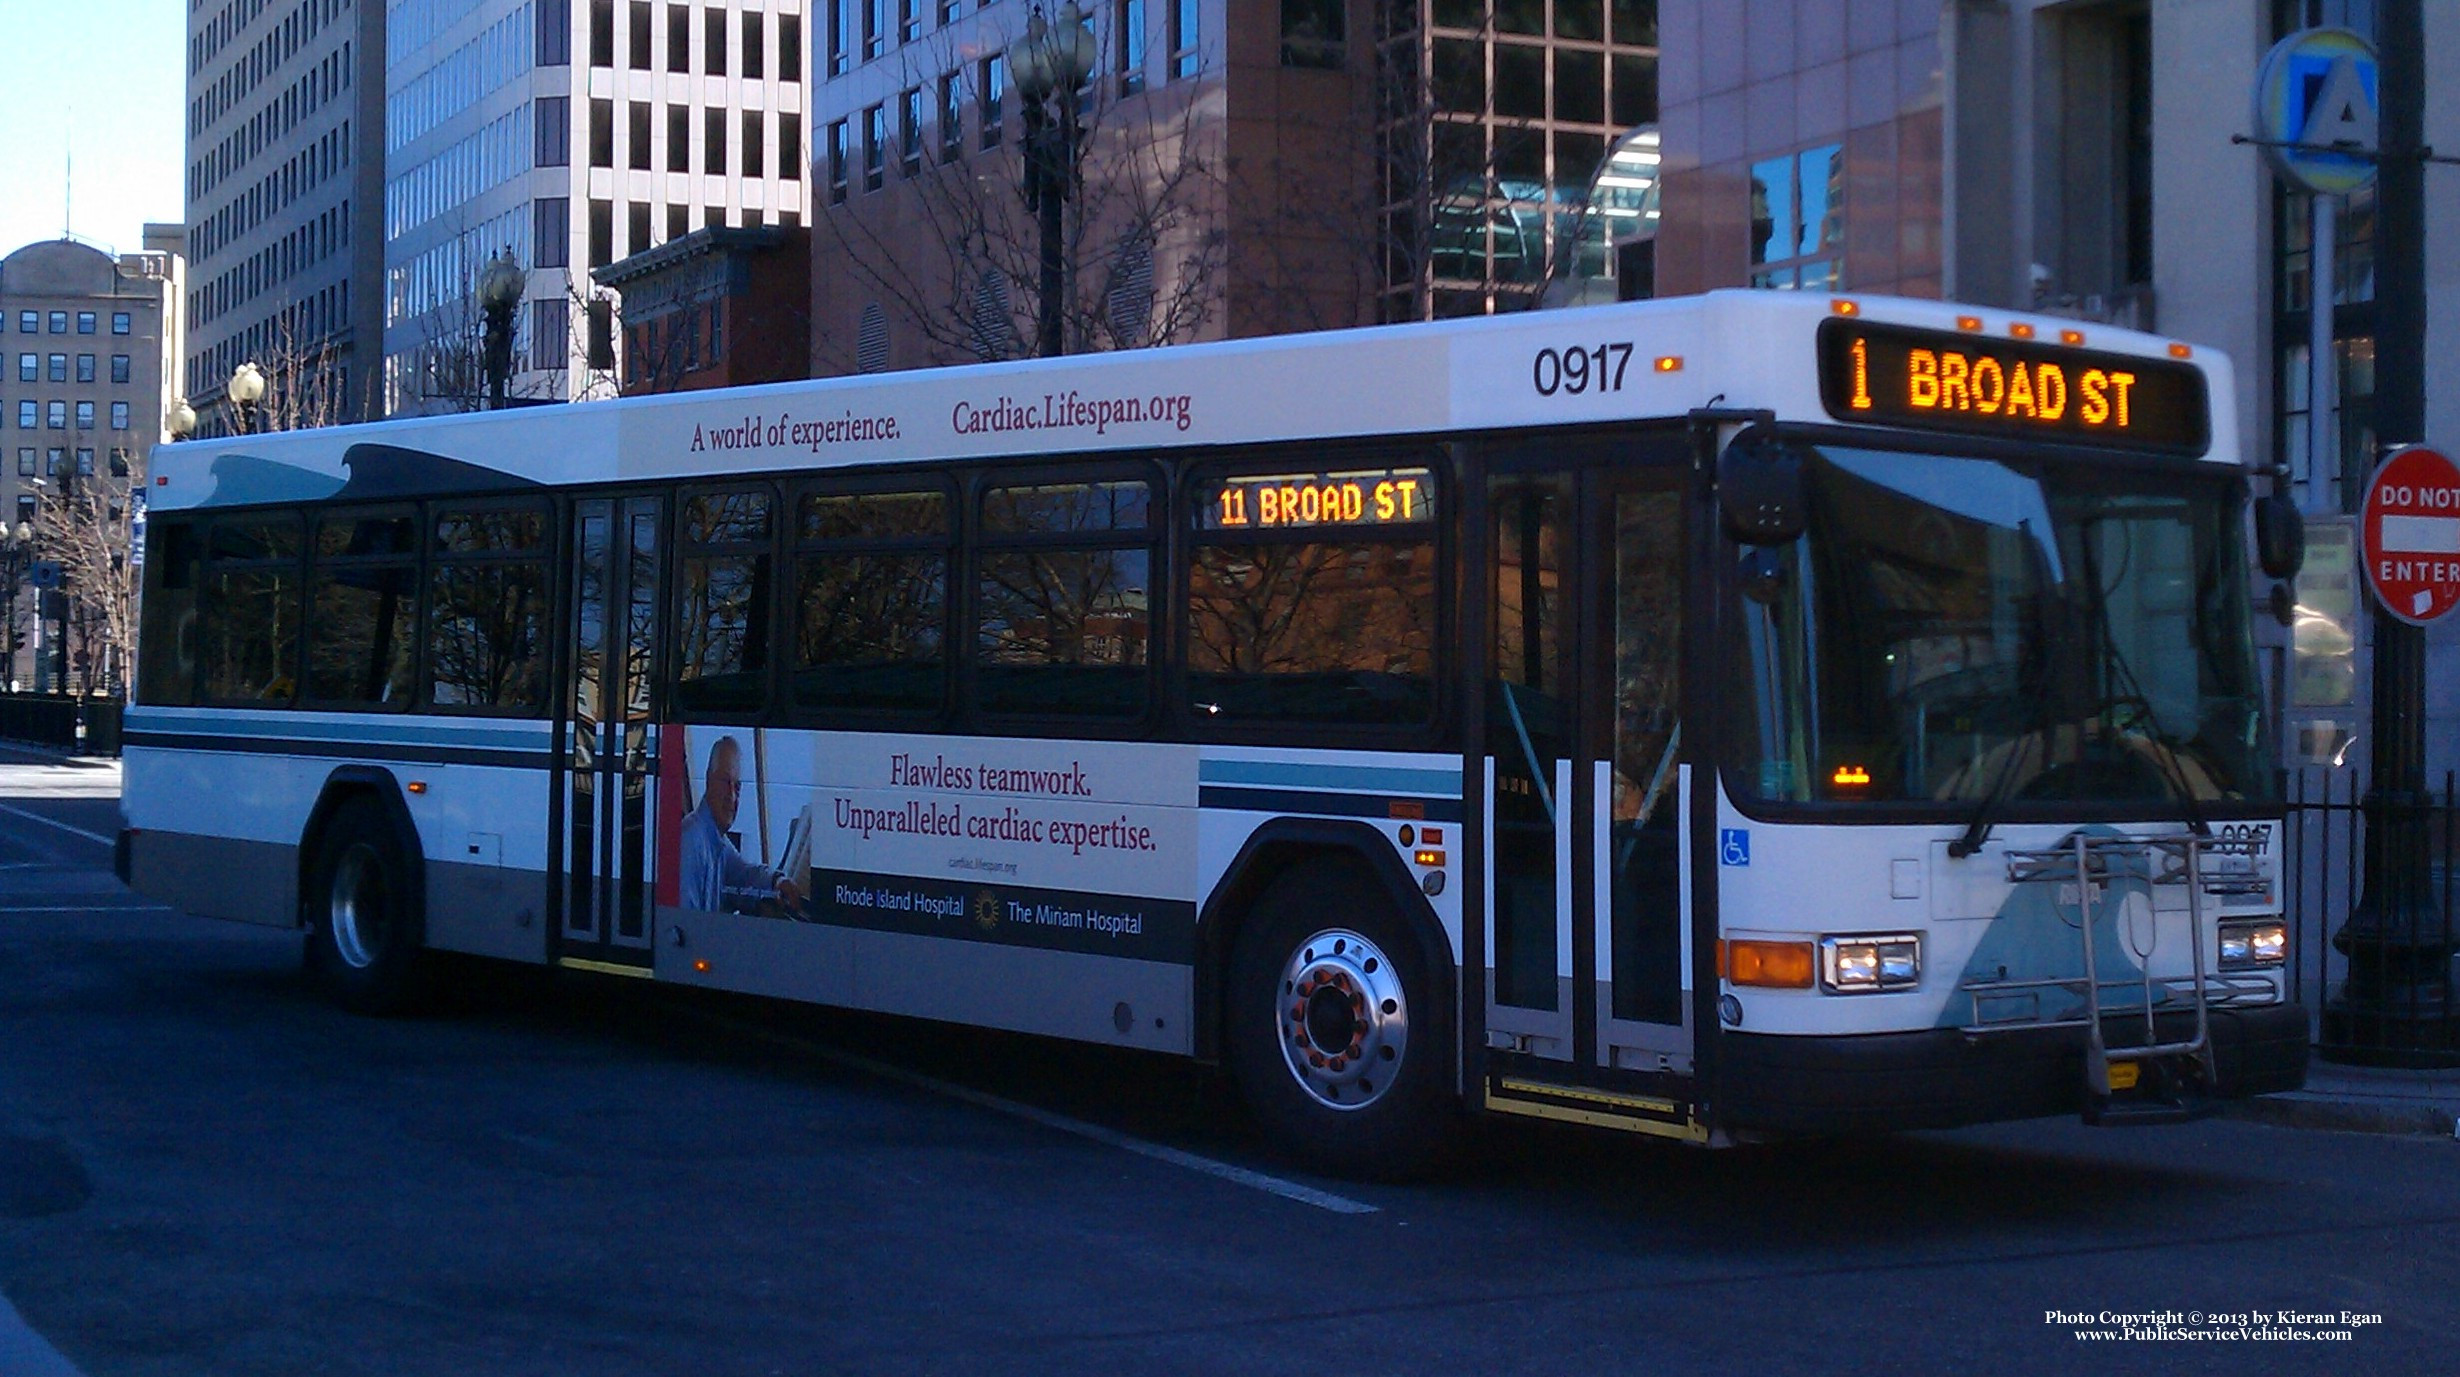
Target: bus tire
x: 364, y: 942
x: 1335, y: 1032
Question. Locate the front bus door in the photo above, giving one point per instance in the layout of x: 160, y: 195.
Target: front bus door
x: 609, y: 742
x: 1584, y: 784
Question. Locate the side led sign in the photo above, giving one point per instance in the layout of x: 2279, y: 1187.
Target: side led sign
x: 1298, y: 501
x: 1898, y: 375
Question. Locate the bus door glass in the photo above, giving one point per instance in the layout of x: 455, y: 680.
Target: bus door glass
x: 1581, y: 766
x: 611, y: 762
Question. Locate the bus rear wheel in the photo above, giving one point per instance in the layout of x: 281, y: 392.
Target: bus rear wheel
x: 1334, y: 1033
x: 363, y: 939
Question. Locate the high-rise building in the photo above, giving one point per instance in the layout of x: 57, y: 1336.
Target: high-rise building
x: 568, y: 134
x: 1247, y: 168
x: 284, y: 175
x: 83, y: 352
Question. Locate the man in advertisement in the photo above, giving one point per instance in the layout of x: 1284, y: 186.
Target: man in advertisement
x: 716, y: 878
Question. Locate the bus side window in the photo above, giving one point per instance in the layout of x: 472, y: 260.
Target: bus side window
x: 249, y: 631
x: 1064, y: 621
x: 166, y: 672
x: 723, y: 595
x: 486, y: 610
x: 363, y: 611
x: 871, y: 601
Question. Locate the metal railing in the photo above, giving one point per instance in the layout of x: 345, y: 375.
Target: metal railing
x: 78, y: 724
x: 2374, y: 968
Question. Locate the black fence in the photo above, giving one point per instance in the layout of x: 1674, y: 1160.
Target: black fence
x: 2371, y: 957
x: 63, y: 722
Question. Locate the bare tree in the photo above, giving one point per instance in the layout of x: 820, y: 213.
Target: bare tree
x: 303, y: 380
x: 954, y: 249
x: 82, y: 526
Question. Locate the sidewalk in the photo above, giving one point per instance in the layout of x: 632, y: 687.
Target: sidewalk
x: 2365, y: 1099
x: 14, y: 752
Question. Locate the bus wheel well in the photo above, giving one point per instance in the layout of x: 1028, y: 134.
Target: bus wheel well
x: 1274, y: 850
x: 343, y: 785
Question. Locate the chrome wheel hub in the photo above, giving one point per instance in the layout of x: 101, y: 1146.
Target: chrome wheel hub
x: 354, y: 911
x: 1343, y: 1021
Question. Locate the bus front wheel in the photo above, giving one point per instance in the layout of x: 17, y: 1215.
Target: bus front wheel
x: 1335, y: 1036
x: 363, y: 940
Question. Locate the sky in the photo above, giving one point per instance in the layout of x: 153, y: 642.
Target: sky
x: 119, y: 65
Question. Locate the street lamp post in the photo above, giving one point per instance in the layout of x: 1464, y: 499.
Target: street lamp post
x: 246, y: 389
x: 181, y: 420
x: 1050, y: 64
x: 16, y: 554
x: 499, y: 293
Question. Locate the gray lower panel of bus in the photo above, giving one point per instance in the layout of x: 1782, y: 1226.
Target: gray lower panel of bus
x: 1022, y: 989
x: 487, y: 910
x: 218, y: 877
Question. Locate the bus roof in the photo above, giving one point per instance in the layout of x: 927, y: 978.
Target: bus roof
x: 1638, y: 360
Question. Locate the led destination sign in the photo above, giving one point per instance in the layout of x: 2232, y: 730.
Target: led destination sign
x: 1943, y: 380
x: 1297, y: 501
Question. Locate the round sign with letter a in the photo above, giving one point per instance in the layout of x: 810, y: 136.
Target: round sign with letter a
x: 2411, y: 528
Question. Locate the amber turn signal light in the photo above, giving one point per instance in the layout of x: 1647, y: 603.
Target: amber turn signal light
x: 1776, y: 965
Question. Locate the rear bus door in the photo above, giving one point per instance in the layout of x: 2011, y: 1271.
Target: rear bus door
x: 610, y: 760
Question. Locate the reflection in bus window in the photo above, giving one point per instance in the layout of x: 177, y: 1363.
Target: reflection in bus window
x: 1313, y: 633
x: 484, y: 647
x: 1065, y: 627
x: 250, y: 626
x: 722, y: 604
x: 871, y: 601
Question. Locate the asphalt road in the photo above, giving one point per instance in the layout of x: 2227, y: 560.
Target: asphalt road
x: 205, y: 1169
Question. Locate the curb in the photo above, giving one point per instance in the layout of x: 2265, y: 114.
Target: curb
x: 2298, y: 1110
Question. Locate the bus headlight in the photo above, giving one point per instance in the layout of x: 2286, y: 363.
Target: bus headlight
x: 1870, y: 964
x: 2244, y: 945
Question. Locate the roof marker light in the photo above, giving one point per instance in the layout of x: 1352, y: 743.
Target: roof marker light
x: 2071, y: 337
x: 2182, y: 351
x: 1845, y: 306
x: 1968, y: 322
x: 1669, y: 363
x: 2020, y: 330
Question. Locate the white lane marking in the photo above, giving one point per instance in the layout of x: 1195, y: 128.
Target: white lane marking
x: 1177, y: 1157
x: 24, y: 1353
x: 47, y: 822
x: 85, y: 908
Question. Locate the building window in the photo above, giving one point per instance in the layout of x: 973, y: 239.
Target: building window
x: 754, y: 159
x: 1798, y: 219
x: 755, y: 45
x: 551, y: 231
x: 875, y: 26
x: 790, y: 147
x: 59, y: 322
x: 29, y: 368
x: 640, y: 136
x: 1315, y: 33
x: 952, y: 117
x: 25, y: 461
x: 601, y: 233
x: 1128, y: 22
x: 55, y: 415
x: 713, y: 142
x: 550, y: 334
x: 679, y: 138
x: 85, y: 368
x: 602, y: 133
x: 994, y: 86
x: 54, y: 460
x: 554, y: 36
x: 59, y: 368
x: 837, y: 162
x: 85, y: 463
x: 602, y: 33
x: 678, y: 221
x: 909, y: 20
x: 119, y: 415
x: 910, y: 130
x: 637, y: 218
x: 678, y: 38
x: 28, y: 322
x: 119, y: 368
x: 875, y: 152
x: 639, y: 31
x: 790, y: 47
x: 27, y: 413
x: 552, y: 121
x: 119, y: 322
x: 841, y: 35
x: 85, y: 415
x: 85, y: 322
x: 1185, y: 38
x: 713, y: 53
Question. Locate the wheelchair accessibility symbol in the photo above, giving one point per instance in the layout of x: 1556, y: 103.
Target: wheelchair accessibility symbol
x: 1734, y: 846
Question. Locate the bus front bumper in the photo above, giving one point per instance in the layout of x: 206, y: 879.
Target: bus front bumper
x: 1946, y: 1078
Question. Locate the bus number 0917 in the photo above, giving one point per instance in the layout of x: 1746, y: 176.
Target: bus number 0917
x: 1577, y: 370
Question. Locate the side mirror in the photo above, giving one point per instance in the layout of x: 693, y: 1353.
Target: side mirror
x: 1759, y: 491
x: 1763, y: 575
x: 2280, y: 536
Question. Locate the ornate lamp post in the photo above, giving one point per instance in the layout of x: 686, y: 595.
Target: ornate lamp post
x: 246, y: 389
x: 1050, y: 63
x: 499, y: 293
x: 181, y: 422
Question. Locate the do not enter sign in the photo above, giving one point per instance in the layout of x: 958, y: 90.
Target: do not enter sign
x: 2412, y: 534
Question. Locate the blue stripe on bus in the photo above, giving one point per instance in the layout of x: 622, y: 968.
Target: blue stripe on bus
x: 1291, y: 774
x: 527, y: 735
x: 1306, y: 802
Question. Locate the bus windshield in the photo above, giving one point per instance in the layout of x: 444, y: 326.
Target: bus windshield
x: 1961, y: 630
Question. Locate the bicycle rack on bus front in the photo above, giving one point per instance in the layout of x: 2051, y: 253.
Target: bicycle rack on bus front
x: 2088, y: 866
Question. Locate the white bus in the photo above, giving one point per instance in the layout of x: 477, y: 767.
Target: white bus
x: 1725, y: 717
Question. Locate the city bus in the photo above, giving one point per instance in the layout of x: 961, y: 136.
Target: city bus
x: 1721, y: 718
